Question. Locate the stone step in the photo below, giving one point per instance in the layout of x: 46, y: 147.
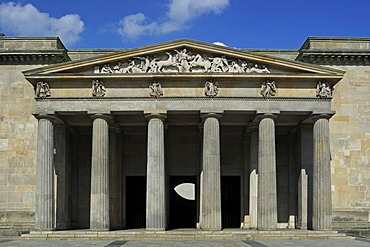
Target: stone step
x: 185, y: 235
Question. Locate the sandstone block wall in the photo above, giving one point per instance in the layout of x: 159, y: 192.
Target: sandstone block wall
x: 18, y: 143
x: 350, y: 146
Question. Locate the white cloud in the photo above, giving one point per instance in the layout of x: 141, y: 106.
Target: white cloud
x: 134, y: 25
x: 219, y: 43
x: 27, y: 20
x: 178, y: 16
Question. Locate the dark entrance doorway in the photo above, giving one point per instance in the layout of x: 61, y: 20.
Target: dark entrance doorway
x: 230, y: 201
x: 135, y: 202
x: 182, y: 203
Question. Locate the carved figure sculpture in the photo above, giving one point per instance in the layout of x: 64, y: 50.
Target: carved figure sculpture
x: 268, y: 89
x: 324, y: 89
x: 211, y: 89
x: 42, y: 90
x: 106, y: 69
x: 145, y: 64
x: 183, y: 61
x: 155, y: 89
x: 199, y: 61
x: 98, y: 88
x: 235, y: 68
x: 182, y: 58
x: 167, y: 63
x: 219, y: 64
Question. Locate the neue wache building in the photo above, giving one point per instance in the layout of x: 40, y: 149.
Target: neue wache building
x: 184, y: 134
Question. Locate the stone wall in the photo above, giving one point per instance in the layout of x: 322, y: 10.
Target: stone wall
x: 18, y: 127
x: 350, y: 147
x: 18, y: 140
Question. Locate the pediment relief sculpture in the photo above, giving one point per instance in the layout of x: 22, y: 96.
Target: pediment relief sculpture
x: 324, y: 89
x: 42, y: 90
x: 98, y: 89
x: 155, y: 89
x: 182, y: 61
x: 268, y: 89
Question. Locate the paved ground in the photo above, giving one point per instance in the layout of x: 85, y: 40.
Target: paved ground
x: 220, y: 243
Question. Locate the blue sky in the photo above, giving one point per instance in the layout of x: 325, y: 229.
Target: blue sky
x: 252, y: 24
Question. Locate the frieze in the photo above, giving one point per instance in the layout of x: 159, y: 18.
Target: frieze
x: 136, y: 99
x: 182, y: 61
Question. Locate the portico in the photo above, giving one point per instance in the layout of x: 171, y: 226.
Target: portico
x: 237, y: 138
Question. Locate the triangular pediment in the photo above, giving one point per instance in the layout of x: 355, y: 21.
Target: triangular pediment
x: 184, y: 57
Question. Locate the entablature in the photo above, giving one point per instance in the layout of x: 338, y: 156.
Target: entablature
x: 205, y: 104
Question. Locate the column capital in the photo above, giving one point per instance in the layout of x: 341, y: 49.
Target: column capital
x: 50, y: 117
x: 205, y: 115
x: 106, y: 117
x: 262, y: 115
x: 158, y: 114
x: 321, y: 115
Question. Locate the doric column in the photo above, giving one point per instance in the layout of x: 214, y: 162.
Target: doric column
x: 45, y: 174
x: 253, y: 176
x: 62, y: 170
x: 322, y: 207
x: 156, y: 189
x: 210, y: 218
x: 99, y: 207
x: 267, y: 193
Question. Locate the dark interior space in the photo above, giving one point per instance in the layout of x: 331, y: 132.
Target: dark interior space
x: 136, y: 202
x: 230, y: 201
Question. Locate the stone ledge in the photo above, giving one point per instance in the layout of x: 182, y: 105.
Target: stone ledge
x: 186, y: 235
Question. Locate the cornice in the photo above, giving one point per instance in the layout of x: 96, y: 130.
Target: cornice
x: 33, y: 57
x: 178, y: 76
x: 350, y: 58
x: 200, y: 47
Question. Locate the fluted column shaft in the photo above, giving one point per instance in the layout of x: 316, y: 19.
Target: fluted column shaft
x: 210, y: 218
x: 253, y: 177
x: 45, y: 175
x: 99, y: 208
x: 155, y: 196
x: 322, y: 204
x: 267, y: 193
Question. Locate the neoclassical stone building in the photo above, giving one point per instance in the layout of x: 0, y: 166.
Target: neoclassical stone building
x: 184, y: 134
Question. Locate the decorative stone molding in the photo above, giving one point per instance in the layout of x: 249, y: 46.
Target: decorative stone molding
x: 10, y: 58
x: 42, y: 90
x: 268, y: 89
x: 98, y: 88
x: 211, y: 89
x: 324, y: 90
x: 339, y: 58
x: 182, y: 62
x: 155, y: 89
